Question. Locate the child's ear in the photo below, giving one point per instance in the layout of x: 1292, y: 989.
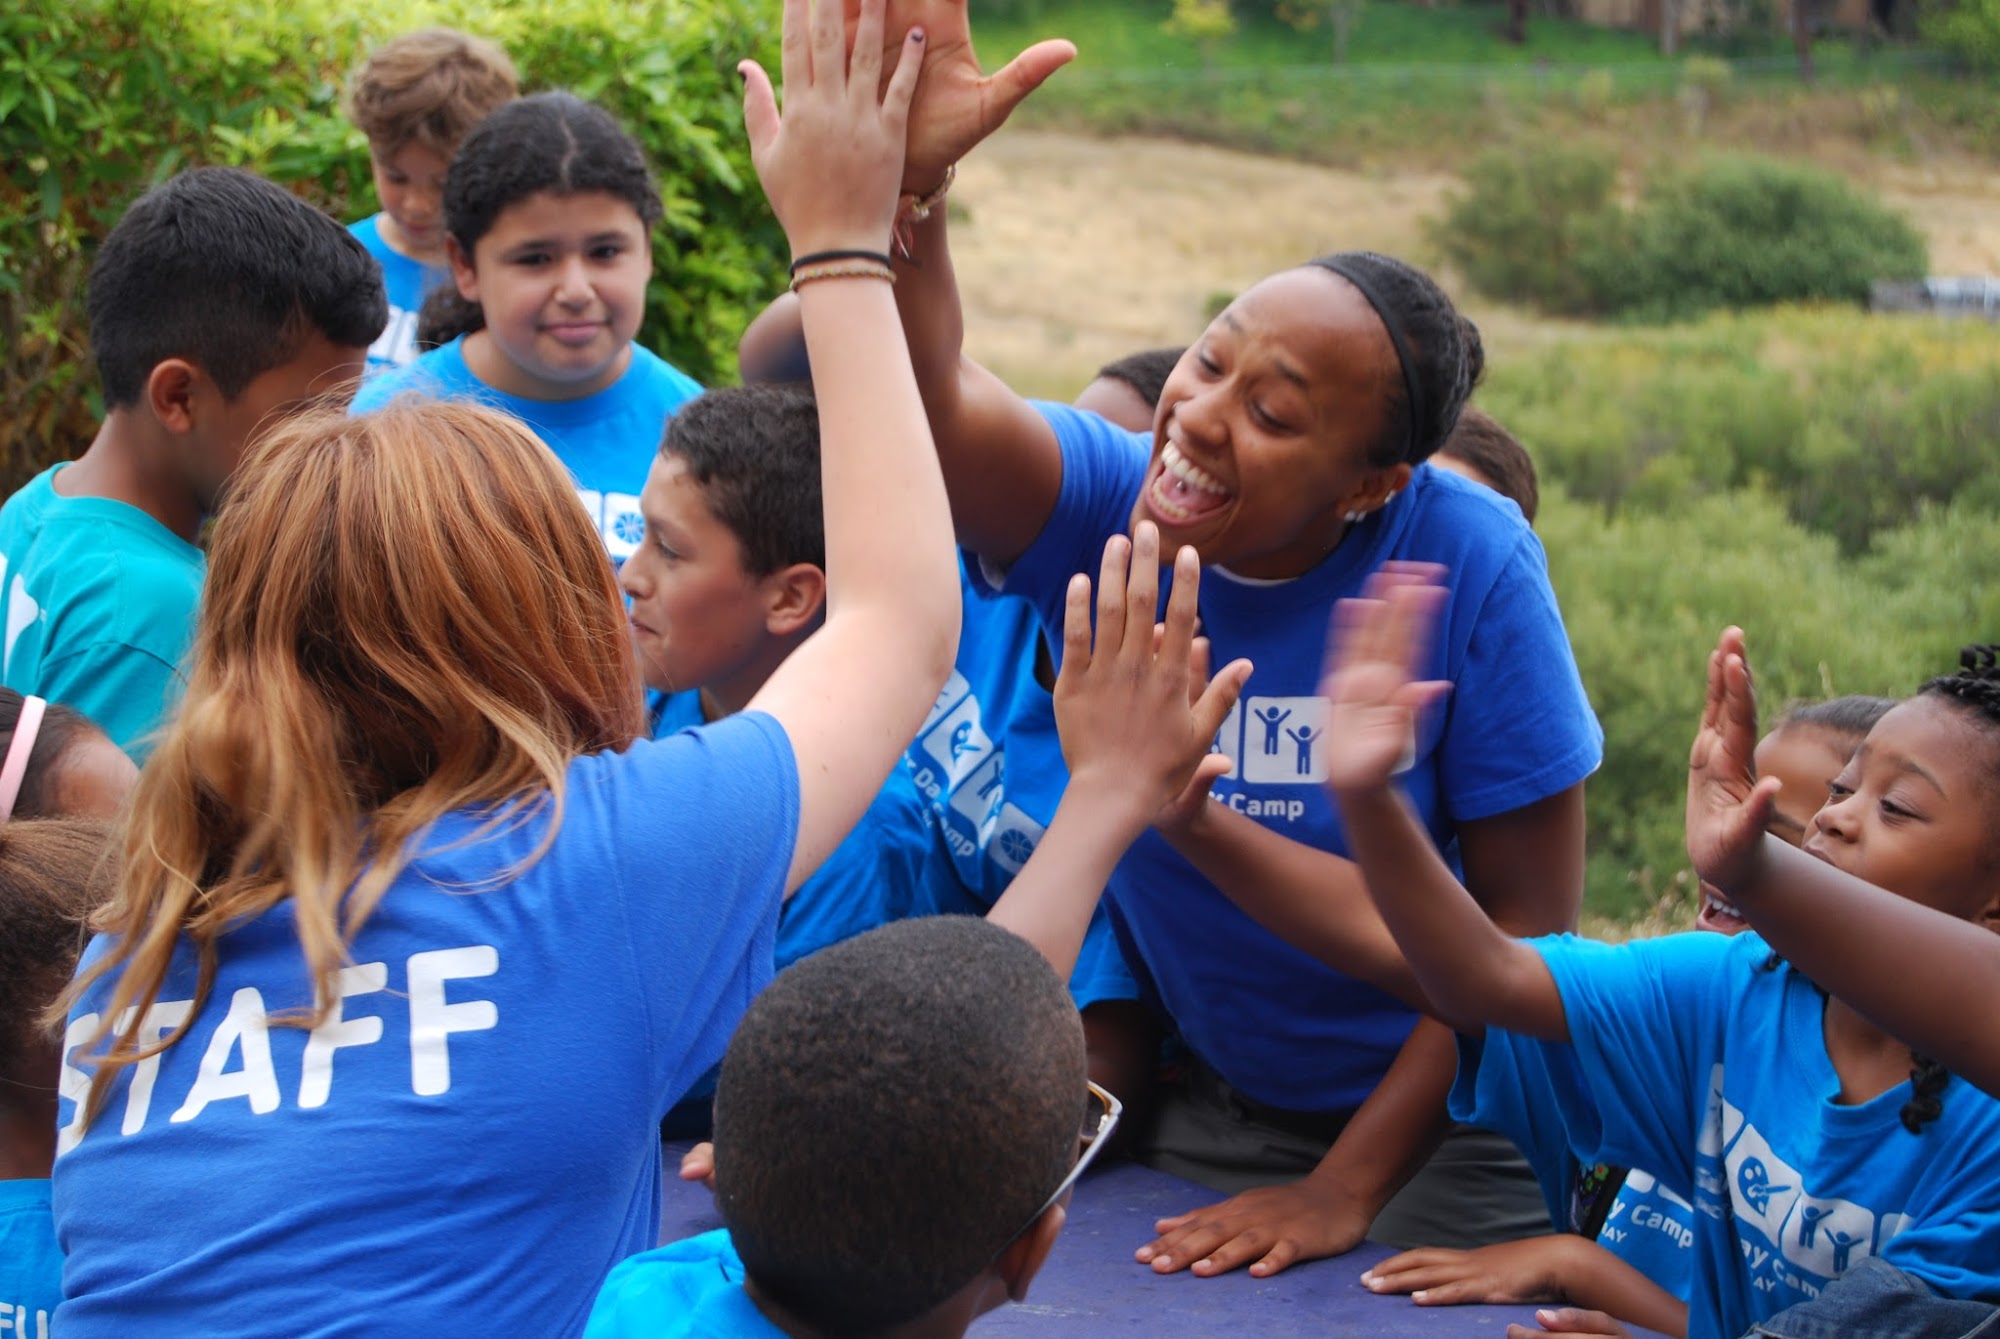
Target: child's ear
x: 796, y: 597
x: 171, y: 390
x: 1027, y: 1253
x: 462, y: 272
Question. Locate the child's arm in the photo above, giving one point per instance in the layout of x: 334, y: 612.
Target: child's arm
x: 1561, y: 1267
x: 1849, y: 937
x: 854, y: 693
x: 1472, y: 971
x: 1136, y: 724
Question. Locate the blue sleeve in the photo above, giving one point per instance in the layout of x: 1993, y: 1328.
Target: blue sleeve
x: 1523, y: 1087
x: 1644, y: 1019
x: 1518, y: 727
x: 127, y: 690
x: 704, y: 824
x: 1101, y: 973
x: 1103, y: 467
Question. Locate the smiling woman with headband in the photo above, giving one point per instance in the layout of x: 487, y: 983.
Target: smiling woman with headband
x: 1289, y: 449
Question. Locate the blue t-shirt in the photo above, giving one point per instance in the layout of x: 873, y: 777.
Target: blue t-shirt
x: 879, y: 873
x: 990, y: 764
x: 1513, y: 1090
x: 1690, y: 1059
x: 689, y: 1289
x: 30, y: 1263
x: 407, y: 283
x: 1274, y: 1021
x: 608, y: 440
x: 98, y: 606
x: 470, y: 1141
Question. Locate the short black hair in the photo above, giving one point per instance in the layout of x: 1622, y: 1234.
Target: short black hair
x: 1446, y: 355
x: 1498, y: 455
x: 554, y: 143
x: 1850, y: 717
x: 62, y: 729
x: 231, y: 272
x: 755, y: 452
x: 53, y: 873
x: 892, y: 1113
x: 1145, y: 372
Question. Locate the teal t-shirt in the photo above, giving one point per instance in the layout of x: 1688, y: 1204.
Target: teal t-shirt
x: 98, y: 608
x: 30, y: 1261
x: 689, y: 1289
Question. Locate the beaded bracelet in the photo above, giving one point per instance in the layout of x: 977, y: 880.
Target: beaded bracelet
x: 803, y: 273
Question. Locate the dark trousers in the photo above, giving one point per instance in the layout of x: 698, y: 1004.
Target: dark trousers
x: 1476, y: 1190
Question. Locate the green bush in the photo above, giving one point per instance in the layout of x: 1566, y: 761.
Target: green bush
x: 1970, y: 30
x: 1543, y: 226
x: 1749, y: 232
x: 101, y: 98
x: 1533, y: 227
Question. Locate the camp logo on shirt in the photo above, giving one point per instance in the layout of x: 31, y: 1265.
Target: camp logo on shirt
x: 965, y: 782
x: 236, y: 1061
x: 22, y: 611
x: 1272, y: 741
x: 15, y: 1318
x: 1790, y: 1238
x: 617, y: 518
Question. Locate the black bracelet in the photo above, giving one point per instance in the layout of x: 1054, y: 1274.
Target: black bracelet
x: 818, y: 257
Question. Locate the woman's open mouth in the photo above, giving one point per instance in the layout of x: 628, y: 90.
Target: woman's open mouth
x: 1184, y: 493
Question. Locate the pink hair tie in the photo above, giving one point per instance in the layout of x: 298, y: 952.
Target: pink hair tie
x: 15, y: 769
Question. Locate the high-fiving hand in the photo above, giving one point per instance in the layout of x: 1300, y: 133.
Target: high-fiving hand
x: 1378, y: 645
x: 1727, y: 806
x: 832, y: 166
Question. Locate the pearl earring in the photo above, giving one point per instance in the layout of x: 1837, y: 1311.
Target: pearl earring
x: 1354, y: 517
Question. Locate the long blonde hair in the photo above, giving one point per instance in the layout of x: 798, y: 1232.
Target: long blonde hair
x: 406, y: 613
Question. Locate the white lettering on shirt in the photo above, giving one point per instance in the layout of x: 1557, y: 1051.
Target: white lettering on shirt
x: 336, y: 1030
x: 244, y: 1027
x: 161, y: 1018
x: 432, y: 1020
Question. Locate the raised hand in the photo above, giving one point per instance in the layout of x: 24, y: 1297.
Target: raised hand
x: 1727, y: 806
x: 832, y: 166
x: 957, y: 103
x: 1131, y: 716
x: 1377, y: 646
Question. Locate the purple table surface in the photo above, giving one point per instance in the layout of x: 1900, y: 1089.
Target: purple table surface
x: 1091, y: 1279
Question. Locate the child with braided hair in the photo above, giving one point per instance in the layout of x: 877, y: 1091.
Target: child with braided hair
x: 1784, y: 1116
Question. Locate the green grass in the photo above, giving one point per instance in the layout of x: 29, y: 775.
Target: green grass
x: 1432, y: 85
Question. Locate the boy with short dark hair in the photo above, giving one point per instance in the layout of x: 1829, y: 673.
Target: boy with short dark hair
x: 416, y: 98
x: 922, y: 1085
x: 218, y: 301
x: 1486, y: 453
x: 729, y: 581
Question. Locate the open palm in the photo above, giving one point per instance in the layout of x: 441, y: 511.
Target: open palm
x: 1377, y: 647
x: 957, y: 103
x: 1727, y: 806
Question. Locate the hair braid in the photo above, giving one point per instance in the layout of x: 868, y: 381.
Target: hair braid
x: 1926, y: 1104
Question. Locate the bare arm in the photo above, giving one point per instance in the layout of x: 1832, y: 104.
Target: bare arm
x: 1474, y: 973
x: 852, y: 696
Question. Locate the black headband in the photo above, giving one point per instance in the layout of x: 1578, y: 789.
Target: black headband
x: 1412, y: 391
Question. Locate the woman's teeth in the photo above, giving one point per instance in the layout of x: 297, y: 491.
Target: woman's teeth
x: 1184, y: 491
x: 1189, y: 473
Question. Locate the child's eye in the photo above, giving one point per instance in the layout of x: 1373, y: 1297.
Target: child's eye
x: 1836, y: 791
x: 608, y: 251
x: 1895, y: 810
x: 1209, y: 365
